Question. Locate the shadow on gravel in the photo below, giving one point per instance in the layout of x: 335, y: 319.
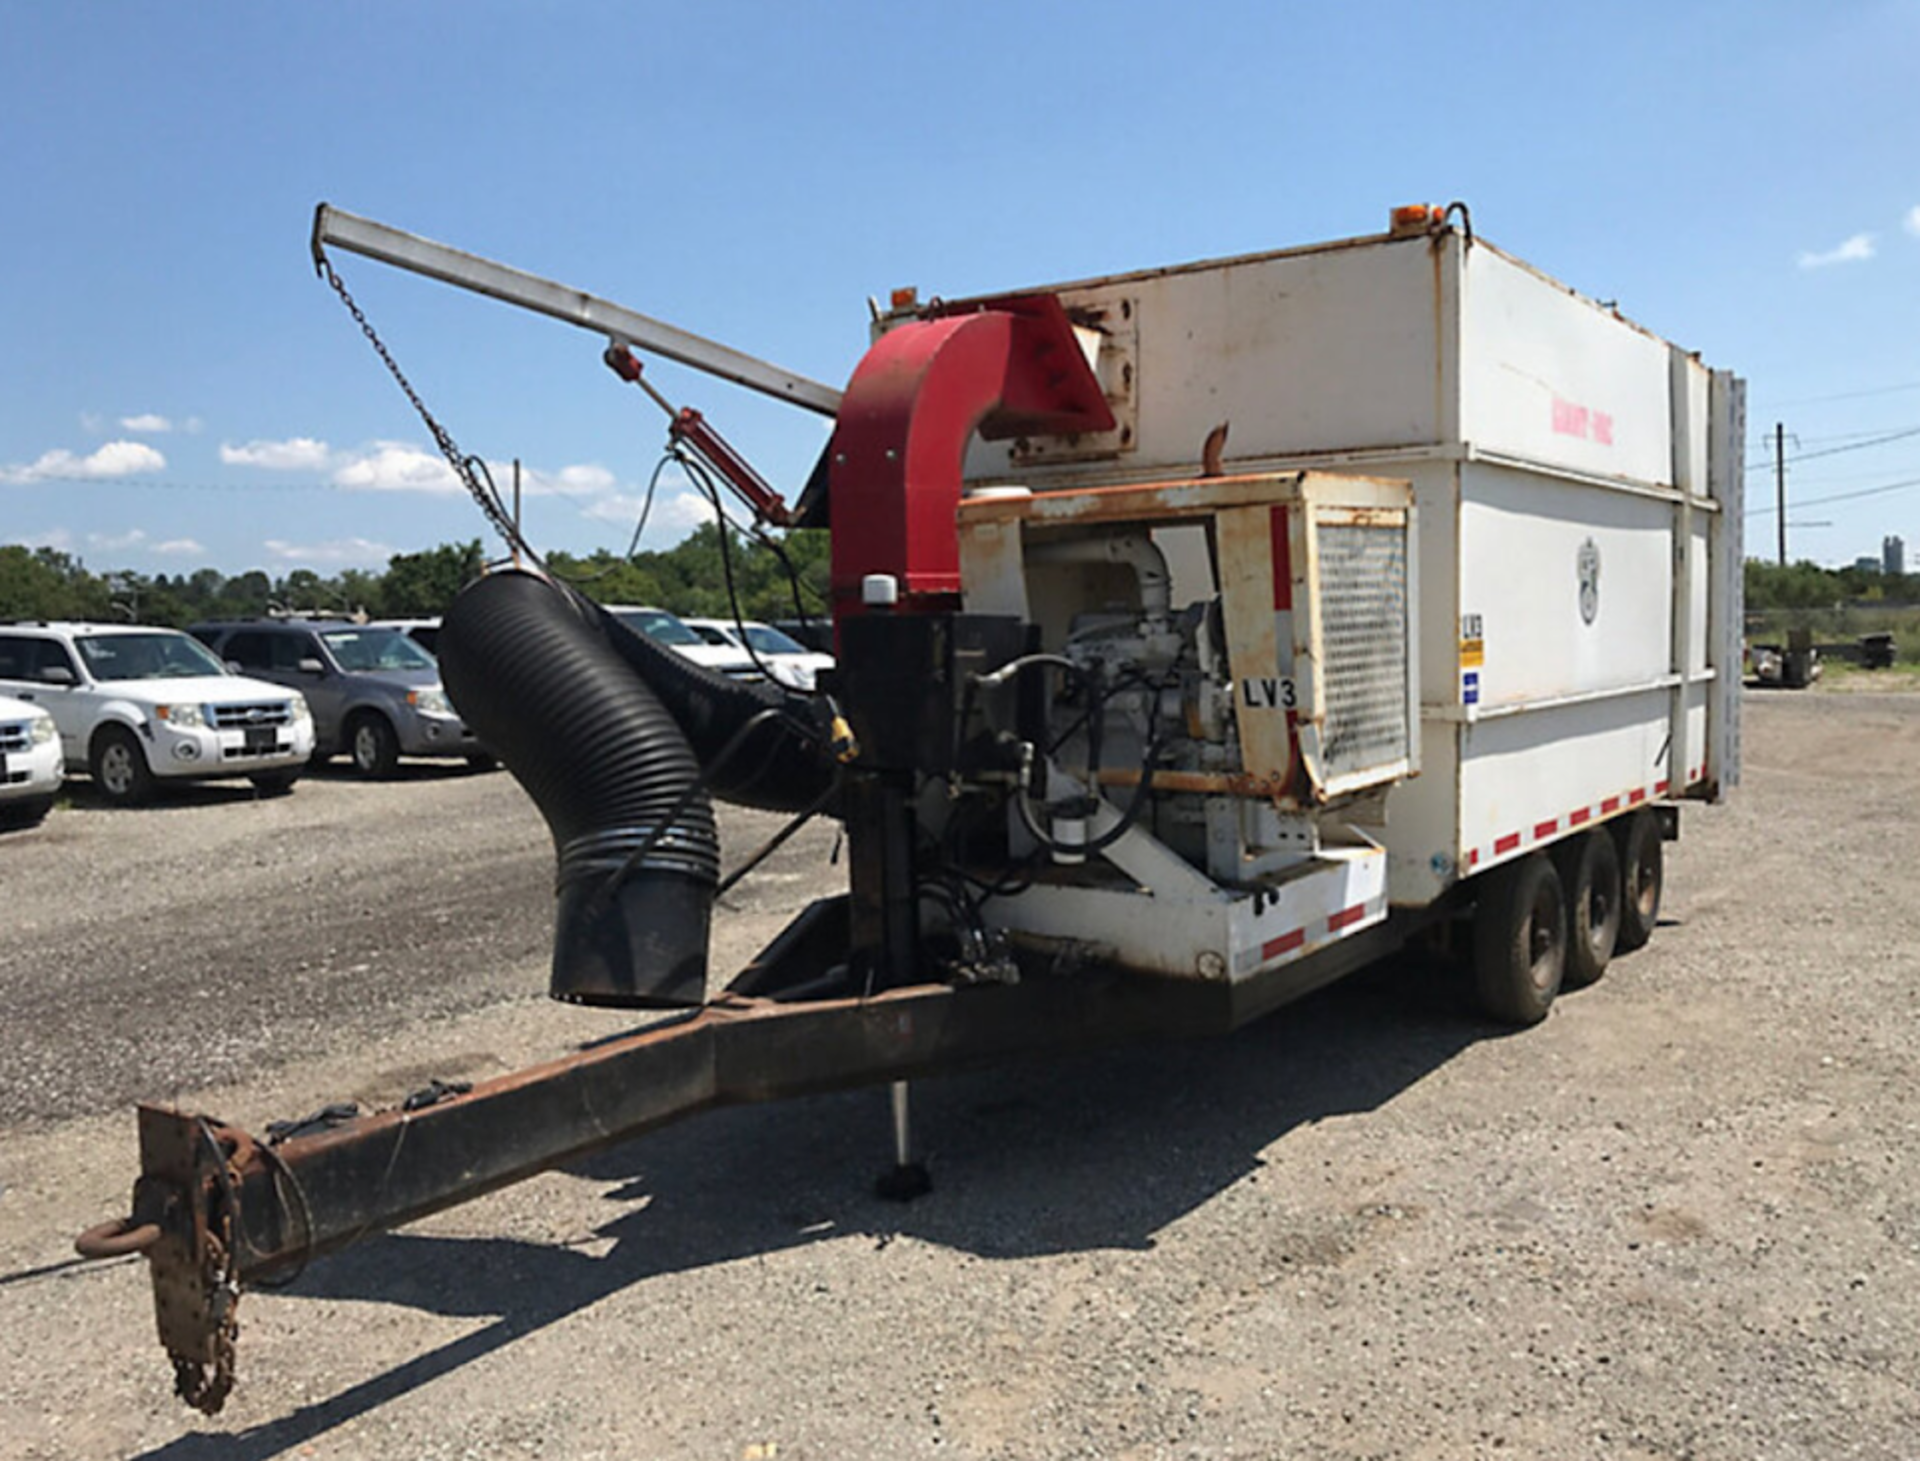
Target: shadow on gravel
x: 1090, y: 1151
x: 407, y: 771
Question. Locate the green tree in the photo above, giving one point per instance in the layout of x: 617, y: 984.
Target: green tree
x: 45, y: 583
x: 425, y: 583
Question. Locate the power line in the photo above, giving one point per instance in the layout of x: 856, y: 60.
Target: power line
x: 1834, y: 451
x: 1841, y: 396
x: 1839, y: 497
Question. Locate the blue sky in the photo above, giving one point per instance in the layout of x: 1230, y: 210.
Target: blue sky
x: 177, y: 389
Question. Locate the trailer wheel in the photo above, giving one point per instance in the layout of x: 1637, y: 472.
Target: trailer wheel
x: 1641, y: 877
x: 1590, y: 868
x: 1520, y: 940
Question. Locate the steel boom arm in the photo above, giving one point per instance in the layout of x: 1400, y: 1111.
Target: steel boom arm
x: 373, y: 240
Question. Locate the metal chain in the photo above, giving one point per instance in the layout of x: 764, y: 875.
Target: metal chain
x: 461, y: 463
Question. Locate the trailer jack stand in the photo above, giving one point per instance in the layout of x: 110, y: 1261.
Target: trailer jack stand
x: 906, y: 1179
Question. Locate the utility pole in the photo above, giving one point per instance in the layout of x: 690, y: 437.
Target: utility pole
x: 1780, y: 483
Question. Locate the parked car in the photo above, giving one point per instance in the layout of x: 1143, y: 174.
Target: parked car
x: 30, y: 769
x: 376, y: 695
x: 672, y: 631
x: 423, y: 632
x: 787, y: 661
x: 135, y: 706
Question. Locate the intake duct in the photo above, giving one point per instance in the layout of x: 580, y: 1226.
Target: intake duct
x: 613, y: 737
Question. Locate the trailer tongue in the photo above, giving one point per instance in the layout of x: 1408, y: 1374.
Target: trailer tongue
x: 1203, y: 635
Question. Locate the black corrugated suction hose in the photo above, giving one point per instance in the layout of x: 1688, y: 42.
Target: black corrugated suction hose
x: 533, y: 673
x: 781, y: 765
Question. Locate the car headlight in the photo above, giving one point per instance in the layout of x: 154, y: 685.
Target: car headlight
x: 43, y: 730
x: 300, y: 711
x: 432, y: 702
x: 184, y: 716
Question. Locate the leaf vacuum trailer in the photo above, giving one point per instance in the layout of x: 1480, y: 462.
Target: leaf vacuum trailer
x: 1203, y: 634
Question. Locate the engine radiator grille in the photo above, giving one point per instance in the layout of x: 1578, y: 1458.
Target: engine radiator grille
x: 1363, y: 635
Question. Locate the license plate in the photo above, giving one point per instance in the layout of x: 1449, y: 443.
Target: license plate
x: 259, y: 739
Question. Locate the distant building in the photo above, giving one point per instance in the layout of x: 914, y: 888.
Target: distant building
x: 1867, y: 563
x: 1893, y: 555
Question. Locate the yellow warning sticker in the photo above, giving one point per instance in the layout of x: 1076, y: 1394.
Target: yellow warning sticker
x: 1473, y: 654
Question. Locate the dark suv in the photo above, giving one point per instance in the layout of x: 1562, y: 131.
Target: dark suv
x: 376, y: 695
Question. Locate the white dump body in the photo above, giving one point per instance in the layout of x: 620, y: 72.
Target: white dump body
x: 1577, y: 481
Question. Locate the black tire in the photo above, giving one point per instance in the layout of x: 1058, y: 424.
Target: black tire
x: 373, y: 745
x: 274, y: 783
x: 28, y: 813
x: 1642, y: 875
x: 1590, y: 868
x: 120, y: 771
x: 1520, y: 940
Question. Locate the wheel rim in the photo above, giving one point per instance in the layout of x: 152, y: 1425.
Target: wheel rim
x: 1541, y: 941
x: 1646, y: 887
x: 1599, y: 916
x: 366, y: 747
x: 116, y: 769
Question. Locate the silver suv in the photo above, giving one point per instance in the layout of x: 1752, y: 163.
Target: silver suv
x: 137, y: 705
x: 376, y: 695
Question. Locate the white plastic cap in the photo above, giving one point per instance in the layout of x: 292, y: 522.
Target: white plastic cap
x: 880, y: 590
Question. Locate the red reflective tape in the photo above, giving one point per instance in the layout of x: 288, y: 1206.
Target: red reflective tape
x: 1609, y: 806
x: 1346, y: 917
x: 1273, y: 948
x: 1660, y: 788
x: 1473, y: 856
x: 1635, y: 797
x: 1545, y: 829
x: 1282, y: 561
x: 1580, y: 818
x: 1506, y: 844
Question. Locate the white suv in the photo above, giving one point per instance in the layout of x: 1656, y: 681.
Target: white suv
x: 786, y: 659
x: 29, y: 763
x: 134, y: 704
x: 668, y: 629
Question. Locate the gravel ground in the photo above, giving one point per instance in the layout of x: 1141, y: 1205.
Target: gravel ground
x: 1680, y: 1219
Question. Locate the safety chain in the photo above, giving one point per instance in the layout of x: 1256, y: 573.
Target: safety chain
x: 461, y: 463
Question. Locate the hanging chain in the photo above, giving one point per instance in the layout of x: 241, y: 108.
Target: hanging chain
x: 462, y: 464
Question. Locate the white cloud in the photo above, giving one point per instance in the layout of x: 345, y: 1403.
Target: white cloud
x: 584, y: 479
x: 137, y: 538
x: 684, y: 511
x: 617, y: 507
x: 58, y: 538
x: 147, y: 422
x: 339, y: 551
x: 392, y: 467
x: 295, y: 454
x: 1912, y: 221
x: 115, y: 459
x: 1852, y: 251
